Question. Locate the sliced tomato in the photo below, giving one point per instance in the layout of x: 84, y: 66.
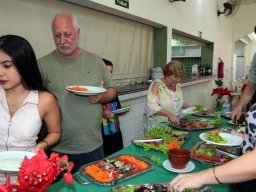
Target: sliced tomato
x: 221, y: 159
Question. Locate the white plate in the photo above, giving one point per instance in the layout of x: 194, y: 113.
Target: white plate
x: 231, y: 122
x: 122, y: 110
x: 92, y: 90
x: 232, y: 140
x: 189, y: 167
x: 188, y: 111
x: 11, y: 160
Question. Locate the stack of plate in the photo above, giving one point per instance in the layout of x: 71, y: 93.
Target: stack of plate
x: 157, y: 73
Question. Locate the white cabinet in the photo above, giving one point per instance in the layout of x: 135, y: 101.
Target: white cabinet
x: 179, y: 51
x: 132, y: 124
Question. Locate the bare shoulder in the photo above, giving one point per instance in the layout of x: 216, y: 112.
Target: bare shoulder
x: 155, y: 89
x: 46, y: 98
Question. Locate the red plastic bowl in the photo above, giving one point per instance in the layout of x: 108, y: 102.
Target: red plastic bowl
x: 179, y: 158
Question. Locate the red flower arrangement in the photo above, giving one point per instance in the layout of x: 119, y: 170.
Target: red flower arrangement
x: 39, y: 172
x: 221, y: 92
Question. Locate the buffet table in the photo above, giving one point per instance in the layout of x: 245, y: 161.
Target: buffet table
x: 157, y: 175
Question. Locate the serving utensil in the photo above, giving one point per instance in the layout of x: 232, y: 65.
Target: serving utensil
x: 147, y: 140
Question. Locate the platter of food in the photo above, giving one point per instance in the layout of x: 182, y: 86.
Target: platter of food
x: 122, y: 110
x: 232, y: 123
x: 85, y: 90
x: 226, y: 115
x: 11, y: 160
x: 110, y: 171
x: 197, y: 123
x: 165, y: 138
x: 205, y: 113
x: 220, y: 138
x: 153, y: 187
x: 207, y: 153
x: 141, y: 187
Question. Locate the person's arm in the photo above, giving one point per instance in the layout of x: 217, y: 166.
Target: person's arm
x: 154, y: 106
x: 105, y: 97
x: 244, y: 100
x: 51, y: 115
x: 237, y: 170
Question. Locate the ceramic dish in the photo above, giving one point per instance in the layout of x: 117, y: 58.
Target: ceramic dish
x: 189, y: 167
x: 89, y: 90
x: 232, y: 140
x: 11, y: 160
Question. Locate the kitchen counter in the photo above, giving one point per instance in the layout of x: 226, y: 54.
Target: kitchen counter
x: 132, y: 88
x: 137, y: 87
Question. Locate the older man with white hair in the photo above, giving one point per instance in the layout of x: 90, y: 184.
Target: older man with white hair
x: 81, y: 115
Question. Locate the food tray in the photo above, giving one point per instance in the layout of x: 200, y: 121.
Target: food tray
x: 205, y: 113
x: 153, y: 187
x: 226, y: 115
x: 122, y: 110
x: 165, y: 134
x: 149, y: 186
x: 195, y: 124
x: 218, y: 158
x: 114, y: 174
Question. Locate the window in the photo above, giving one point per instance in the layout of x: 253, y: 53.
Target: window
x: 194, y: 53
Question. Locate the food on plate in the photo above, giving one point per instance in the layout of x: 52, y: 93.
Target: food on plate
x: 168, y: 136
x: 198, y: 108
x: 126, y: 105
x: 108, y: 170
x: 78, y: 88
x: 11, y: 163
x: 215, y: 137
x: 216, y: 121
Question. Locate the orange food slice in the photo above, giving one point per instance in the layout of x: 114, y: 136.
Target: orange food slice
x: 173, y: 144
x: 78, y: 88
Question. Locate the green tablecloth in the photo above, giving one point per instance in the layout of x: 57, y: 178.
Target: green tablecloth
x: 158, y: 174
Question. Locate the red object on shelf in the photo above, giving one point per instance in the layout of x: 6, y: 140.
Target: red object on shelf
x: 220, y: 69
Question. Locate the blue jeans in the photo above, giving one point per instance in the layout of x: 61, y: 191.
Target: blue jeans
x: 81, y: 159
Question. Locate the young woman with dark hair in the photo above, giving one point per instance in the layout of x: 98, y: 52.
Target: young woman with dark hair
x: 24, y: 99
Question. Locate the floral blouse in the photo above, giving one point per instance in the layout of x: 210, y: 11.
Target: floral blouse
x: 252, y: 75
x: 166, y: 99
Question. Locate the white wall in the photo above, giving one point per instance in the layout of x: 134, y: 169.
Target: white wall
x: 250, y: 50
x: 189, y: 16
x: 244, y: 21
x: 31, y: 19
